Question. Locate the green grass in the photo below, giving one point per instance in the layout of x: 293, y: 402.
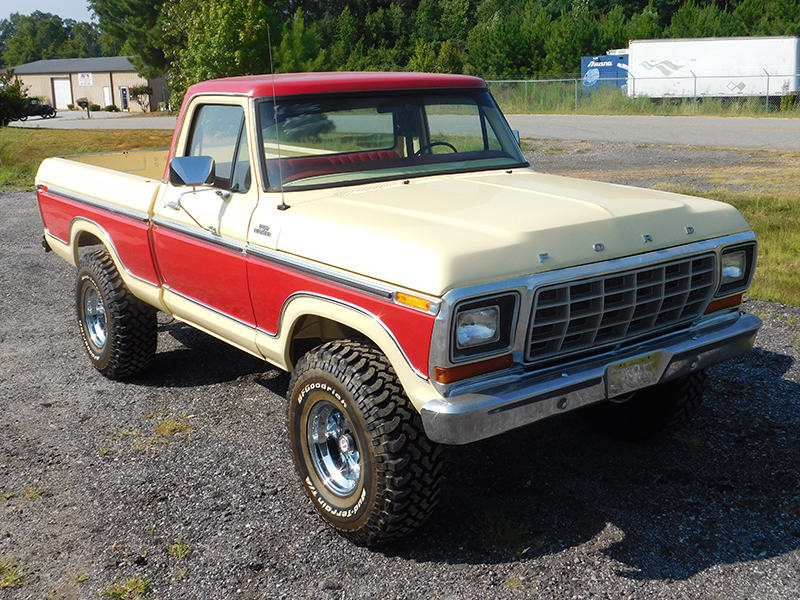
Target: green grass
x: 134, y: 588
x: 774, y: 218
x: 10, y: 574
x: 179, y: 550
x: 22, y: 150
x: 558, y: 97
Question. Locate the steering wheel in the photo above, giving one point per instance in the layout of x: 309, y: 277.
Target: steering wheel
x: 427, y: 147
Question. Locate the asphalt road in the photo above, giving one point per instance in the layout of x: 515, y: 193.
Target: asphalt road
x: 721, y: 132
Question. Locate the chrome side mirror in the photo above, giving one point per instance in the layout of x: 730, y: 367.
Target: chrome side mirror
x: 192, y: 171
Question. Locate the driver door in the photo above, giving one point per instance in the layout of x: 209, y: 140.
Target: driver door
x: 200, y: 232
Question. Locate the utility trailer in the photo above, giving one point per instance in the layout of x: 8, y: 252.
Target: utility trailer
x: 729, y: 67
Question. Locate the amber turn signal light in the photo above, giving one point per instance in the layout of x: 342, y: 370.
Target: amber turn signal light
x: 724, y: 303
x: 453, y: 374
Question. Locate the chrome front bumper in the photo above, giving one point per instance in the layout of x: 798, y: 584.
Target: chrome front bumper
x: 513, y: 399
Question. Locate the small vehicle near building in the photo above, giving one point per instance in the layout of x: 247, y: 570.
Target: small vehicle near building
x: 36, y: 108
x: 382, y: 237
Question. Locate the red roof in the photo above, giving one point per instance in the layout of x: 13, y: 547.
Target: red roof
x: 288, y: 84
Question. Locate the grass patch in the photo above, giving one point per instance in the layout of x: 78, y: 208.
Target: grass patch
x: 134, y: 588
x: 31, y: 493
x: 179, y: 550
x: 774, y: 217
x: 170, y: 427
x: 764, y: 187
x: 565, y: 97
x: 11, y: 575
x: 22, y: 150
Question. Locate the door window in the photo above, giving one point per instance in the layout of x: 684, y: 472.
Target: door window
x: 218, y: 131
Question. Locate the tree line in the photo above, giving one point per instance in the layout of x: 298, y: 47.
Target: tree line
x: 192, y: 40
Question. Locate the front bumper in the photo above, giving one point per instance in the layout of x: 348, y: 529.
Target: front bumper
x: 513, y: 399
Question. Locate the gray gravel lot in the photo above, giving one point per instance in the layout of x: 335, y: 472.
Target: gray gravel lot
x: 552, y: 511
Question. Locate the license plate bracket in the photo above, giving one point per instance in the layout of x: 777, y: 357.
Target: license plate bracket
x: 633, y: 374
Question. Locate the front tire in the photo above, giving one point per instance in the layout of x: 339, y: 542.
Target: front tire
x: 359, y: 445
x: 119, y: 331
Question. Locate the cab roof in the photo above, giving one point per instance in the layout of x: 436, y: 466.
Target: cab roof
x: 290, y: 84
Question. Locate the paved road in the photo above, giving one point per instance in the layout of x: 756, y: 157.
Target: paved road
x: 75, y: 119
x: 722, y: 132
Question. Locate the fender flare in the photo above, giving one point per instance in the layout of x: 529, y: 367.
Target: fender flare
x: 144, y: 290
x: 277, y: 348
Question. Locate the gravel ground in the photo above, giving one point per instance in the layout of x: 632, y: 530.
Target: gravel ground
x: 92, y: 495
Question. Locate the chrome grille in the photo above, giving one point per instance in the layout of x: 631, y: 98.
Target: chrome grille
x: 580, y: 315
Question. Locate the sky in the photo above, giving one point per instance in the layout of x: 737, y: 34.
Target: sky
x: 66, y: 9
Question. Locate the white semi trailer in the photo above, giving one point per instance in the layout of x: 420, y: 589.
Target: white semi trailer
x: 714, y: 67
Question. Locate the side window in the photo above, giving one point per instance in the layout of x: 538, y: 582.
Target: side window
x: 463, y: 125
x: 218, y: 131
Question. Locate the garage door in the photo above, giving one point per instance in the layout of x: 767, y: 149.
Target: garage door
x: 63, y: 92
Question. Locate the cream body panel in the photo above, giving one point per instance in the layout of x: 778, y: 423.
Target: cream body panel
x: 437, y: 233
x: 227, y: 215
x: 102, y: 185
x: 276, y: 349
x: 213, y: 323
x: 145, y: 163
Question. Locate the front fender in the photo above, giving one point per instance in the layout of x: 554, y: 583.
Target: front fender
x: 277, y: 349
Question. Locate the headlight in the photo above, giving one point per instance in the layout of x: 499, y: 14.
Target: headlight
x: 734, y: 267
x: 478, y: 326
x: 737, y: 269
x: 483, y: 326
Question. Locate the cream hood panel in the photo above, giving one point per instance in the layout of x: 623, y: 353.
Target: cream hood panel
x: 437, y: 233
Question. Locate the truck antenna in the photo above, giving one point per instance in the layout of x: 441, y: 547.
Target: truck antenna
x: 282, y: 205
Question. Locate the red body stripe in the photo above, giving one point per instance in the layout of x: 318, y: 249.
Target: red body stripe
x: 271, y: 286
x: 210, y: 274
x: 129, y: 235
x: 221, y: 278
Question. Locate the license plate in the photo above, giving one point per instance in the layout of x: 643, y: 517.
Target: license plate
x: 633, y: 374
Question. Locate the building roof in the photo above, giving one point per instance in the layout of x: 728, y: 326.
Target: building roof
x: 102, y: 64
x: 289, y: 84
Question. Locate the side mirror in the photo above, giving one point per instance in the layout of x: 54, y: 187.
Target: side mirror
x: 515, y: 133
x: 192, y: 171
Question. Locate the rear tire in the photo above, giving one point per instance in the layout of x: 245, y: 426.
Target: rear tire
x: 359, y: 445
x: 659, y: 410
x: 119, y: 331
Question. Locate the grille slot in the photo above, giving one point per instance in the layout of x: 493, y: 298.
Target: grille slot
x: 580, y: 315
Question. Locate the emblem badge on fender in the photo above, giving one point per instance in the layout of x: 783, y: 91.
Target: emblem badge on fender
x: 598, y: 247
x: 647, y: 238
x: 262, y: 230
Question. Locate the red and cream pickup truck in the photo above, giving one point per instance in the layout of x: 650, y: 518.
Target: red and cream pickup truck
x: 382, y: 237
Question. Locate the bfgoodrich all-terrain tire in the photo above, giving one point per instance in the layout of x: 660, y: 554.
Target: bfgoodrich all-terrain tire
x: 119, y: 331
x: 359, y: 445
x: 663, y: 409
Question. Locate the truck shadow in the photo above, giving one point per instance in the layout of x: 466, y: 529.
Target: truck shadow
x: 195, y: 359
x: 724, y: 490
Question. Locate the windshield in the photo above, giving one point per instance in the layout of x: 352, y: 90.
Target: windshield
x: 327, y: 141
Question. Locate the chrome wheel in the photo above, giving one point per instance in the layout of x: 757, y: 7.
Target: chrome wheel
x: 333, y: 448
x: 94, y: 315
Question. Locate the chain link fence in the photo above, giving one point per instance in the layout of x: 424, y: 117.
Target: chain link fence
x: 723, y: 95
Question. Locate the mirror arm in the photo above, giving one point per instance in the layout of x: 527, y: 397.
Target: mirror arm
x: 178, y: 205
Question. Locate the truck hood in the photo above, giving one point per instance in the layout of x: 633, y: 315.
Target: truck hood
x: 437, y: 233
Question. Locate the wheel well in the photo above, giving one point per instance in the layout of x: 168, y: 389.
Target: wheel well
x: 311, y: 331
x: 85, y: 241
